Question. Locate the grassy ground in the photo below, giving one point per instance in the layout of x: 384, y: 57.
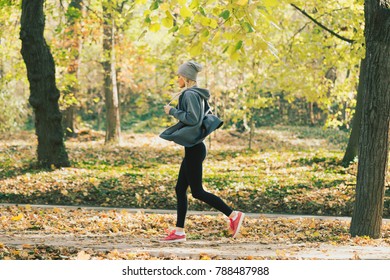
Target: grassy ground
x: 285, y: 172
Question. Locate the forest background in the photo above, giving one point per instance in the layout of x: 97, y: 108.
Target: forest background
x: 293, y: 72
x: 283, y: 76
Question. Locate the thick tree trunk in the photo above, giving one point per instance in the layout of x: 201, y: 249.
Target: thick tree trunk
x: 374, y: 139
x: 353, y: 142
x: 44, y: 94
x: 113, y: 130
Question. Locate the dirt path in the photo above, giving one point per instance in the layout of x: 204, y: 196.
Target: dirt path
x: 193, y: 249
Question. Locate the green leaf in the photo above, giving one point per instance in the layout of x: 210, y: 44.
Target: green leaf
x: 202, y: 11
x: 238, y: 45
x: 148, y: 20
x: 73, y: 13
x: 225, y: 14
x: 154, y: 5
x: 174, y: 29
x: 248, y: 27
x: 205, y: 35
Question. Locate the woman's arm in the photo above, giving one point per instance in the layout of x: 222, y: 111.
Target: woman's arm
x: 190, y: 111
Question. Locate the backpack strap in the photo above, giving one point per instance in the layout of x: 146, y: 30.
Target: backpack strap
x: 207, y: 107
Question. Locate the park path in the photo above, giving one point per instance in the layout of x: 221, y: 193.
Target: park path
x: 224, y: 248
x: 193, y: 249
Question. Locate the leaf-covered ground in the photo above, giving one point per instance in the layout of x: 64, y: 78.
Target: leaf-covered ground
x: 288, y: 170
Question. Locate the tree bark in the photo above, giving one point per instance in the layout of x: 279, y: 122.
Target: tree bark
x: 353, y: 143
x: 374, y: 139
x: 113, y: 129
x: 44, y: 93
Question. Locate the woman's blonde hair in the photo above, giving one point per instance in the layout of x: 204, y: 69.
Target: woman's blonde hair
x: 188, y: 83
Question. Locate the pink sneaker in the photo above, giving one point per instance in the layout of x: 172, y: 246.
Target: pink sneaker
x: 173, y: 237
x: 236, y: 224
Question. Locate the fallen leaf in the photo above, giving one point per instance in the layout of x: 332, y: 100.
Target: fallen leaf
x: 83, y: 256
x: 18, y: 217
x: 204, y: 257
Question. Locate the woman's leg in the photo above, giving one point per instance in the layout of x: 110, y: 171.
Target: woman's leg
x: 178, y: 234
x: 194, y: 157
x: 181, y: 195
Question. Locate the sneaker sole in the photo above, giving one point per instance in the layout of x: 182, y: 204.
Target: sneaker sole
x: 173, y: 241
x: 239, y: 224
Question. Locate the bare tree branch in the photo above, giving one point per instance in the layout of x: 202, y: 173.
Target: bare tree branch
x: 323, y: 26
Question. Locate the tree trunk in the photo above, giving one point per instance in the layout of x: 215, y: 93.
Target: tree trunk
x: 44, y: 93
x: 374, y: 139
x: 281, y: 106
x: 251, y: 131
x: 353, y: 142
x: 69, y: 121
x: 74, y: 42
x: 311, y: 113
x: 110, y: 82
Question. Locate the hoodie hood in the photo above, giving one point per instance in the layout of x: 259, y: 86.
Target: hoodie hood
x: 204, y: 93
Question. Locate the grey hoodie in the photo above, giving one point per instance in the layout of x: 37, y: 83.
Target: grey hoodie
x: 190, y: 113
x: 189, y: 109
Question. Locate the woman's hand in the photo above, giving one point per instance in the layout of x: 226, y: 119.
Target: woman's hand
x: 167, y: 108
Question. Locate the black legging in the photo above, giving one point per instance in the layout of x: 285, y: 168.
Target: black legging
x: 191, y: 175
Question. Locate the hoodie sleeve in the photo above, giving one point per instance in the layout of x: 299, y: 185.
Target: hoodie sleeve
x: 189, y: 112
